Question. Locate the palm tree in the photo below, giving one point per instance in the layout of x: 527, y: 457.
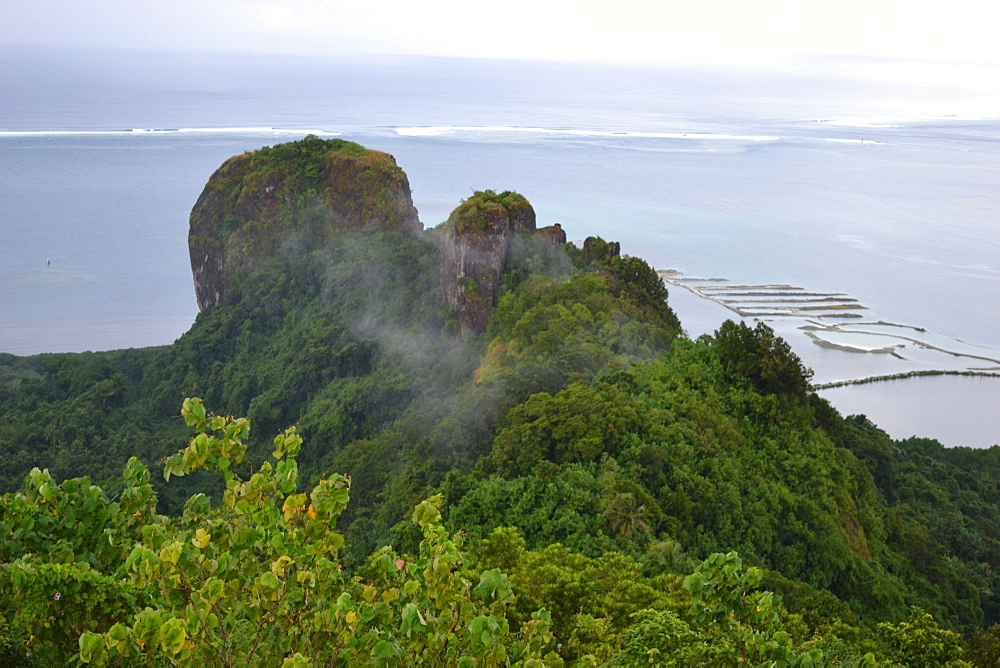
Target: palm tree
x: 624, y: 514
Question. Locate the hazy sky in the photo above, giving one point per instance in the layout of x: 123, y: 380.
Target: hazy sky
x: 753, y: 32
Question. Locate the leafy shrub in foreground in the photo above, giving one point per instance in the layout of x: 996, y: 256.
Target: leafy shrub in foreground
x: 255, y: 581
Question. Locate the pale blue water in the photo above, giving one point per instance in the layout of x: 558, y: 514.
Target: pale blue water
x: 790, y: 177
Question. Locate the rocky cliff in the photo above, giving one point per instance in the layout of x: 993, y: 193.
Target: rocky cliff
x: 292, y: 198
x: 256, y: 203
x: 476, y: 242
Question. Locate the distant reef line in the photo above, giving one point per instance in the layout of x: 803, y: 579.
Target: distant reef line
x: 901, y: 376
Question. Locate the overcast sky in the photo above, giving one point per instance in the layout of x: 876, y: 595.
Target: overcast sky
x: 753, y: 32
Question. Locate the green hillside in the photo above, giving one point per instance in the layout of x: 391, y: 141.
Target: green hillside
x: 591, y: 486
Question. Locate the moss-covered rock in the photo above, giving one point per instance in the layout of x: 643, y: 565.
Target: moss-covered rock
x: 284, y: 197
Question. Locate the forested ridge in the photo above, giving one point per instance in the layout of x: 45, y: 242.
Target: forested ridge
x: 328, y: 470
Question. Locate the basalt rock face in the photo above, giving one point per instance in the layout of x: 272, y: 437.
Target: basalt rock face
x: 476, y: 242
x: 257, y: 203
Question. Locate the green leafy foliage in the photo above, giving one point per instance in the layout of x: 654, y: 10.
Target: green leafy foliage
x: 254, y: 581
x: 761, y: 357
x: 729, y: 624
x: 919, y: 641
x: 578, y: 424
x: 590, y: 458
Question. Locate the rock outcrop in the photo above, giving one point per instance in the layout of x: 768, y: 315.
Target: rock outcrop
x: 293, y: 198
x: 554, y: 234
x: 255, y: 203
x: 476, y: 242
x: 598, y: 248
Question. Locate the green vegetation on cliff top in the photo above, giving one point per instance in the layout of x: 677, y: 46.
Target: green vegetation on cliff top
x: 475, y: 213
x: 287, y: 199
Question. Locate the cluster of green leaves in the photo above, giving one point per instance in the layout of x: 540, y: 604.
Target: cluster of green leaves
x: 919, y: 641
x: 592, y: 600
x: 605, y: 611
x: 730, y: 624
x: 59, y: 548
x: 253, y: 581
x: 761, y: 357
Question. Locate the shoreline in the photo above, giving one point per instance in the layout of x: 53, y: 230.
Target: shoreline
x: 833, y: 321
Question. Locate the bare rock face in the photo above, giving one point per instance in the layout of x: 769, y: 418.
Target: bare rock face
x: 476, y: 243
x: 305, y: 190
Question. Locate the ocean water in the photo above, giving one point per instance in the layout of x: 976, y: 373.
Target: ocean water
x: 814, y: 177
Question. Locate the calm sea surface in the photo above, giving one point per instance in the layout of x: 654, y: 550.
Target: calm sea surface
x: 810, y: 177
